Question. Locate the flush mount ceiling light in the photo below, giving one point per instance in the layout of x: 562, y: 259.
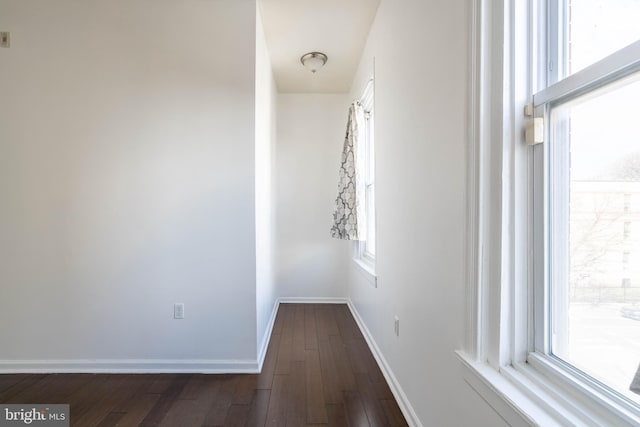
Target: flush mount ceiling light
x: 313, y: 60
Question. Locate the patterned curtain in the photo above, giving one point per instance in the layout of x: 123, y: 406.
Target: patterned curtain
x: 348, y: 221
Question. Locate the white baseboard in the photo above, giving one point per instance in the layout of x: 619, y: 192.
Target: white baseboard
x: 209, y: 366
x: 262, y: 353
x: 129, y: 366
x: 313, y: 300
x: 144, y: 366
x: 160, y: 366
x: 396, y: 389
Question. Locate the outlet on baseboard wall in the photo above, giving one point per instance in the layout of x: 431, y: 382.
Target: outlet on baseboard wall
x: 396, y: 326
x: 178, y: 310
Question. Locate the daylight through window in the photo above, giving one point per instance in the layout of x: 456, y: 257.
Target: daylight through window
x: 590, y: 202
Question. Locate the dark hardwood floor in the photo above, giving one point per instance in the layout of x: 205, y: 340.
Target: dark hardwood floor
x: 318, y: 371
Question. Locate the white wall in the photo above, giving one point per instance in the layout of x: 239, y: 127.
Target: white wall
x: 310, y: 132
x: 421, y: 71
x: 127, y: 179
x: 266, y: 98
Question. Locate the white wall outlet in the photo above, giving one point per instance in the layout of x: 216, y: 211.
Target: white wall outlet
x: 397, y: 326
x: 5, y: 38
x: 178, y: 310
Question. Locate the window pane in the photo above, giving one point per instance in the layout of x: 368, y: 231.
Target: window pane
x: 371, y: 221
x: 369, y: 162
x: 597, y: 28
x: 595, y: 234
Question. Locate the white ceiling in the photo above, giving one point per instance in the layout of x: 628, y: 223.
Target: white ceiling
x: 337, y: 28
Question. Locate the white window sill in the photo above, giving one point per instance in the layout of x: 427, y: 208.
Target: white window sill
x: 523, y: 396
x: 367, y: 269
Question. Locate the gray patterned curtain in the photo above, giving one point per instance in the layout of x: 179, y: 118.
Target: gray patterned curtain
x: 348, y: 221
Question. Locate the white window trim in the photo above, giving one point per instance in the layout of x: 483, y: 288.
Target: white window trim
x: 363, y: 259
x: 524, y: 388
x: 366, y: 265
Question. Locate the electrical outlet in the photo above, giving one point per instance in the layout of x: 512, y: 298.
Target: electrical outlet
x: 178, y: 310
x: 397, y: 326
x: 5, y: 38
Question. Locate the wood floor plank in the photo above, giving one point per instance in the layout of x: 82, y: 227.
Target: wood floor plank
x: 297, y: 396
x: 55, y: 389
x: 332, y: 325
x: 298, y: 342
x: 33, y: 392
x: 265, y: 378
x: 222, y: 402
x: 343, y: 327
x: 122, y: 388
x: 84, y: 399
x: 372, y: 405
x: 286, y: 341
x: 375, y: 374
x: 19, y: 387
x: 193, y: 411
x: 337, y: 415
x: 110, y: 420
x: 193, y: 387
x: 237, y: 416
x: 68, y: 385
x: 394, y: 414
x: 245, y: 389
x: 162, y: 383
x: 363, y: 361
x: 279, y: 322
x: 184, y: 413
x: 346, y: 325
x: 330, y: 381
x: 166, y: 400
x: 9, y: 380
x: 357, y: 356
x: 354, y: 408
x: 137, y: 410
x: 326, y: 322
x: 316, y: 406
x: 259, y: 407
x: 343, y: 366
x: 310, y: 328
x: 322, y: 323
x: 138, y: 390
x: 380, y: 386
x: 277, y: 412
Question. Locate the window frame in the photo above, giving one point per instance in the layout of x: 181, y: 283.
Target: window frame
x: 366, y: 259
x: 504, y: 355
x: 551, y: 163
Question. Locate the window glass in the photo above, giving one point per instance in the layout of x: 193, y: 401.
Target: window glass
x: 367, y: 247
x: 370, y: 189
x: 595, y: 234
x: 597, y: 28
x: 371, y: 221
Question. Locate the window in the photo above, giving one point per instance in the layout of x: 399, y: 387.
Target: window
x: 366, y: 249
x: 583, y: 176
x: 553, y: 326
